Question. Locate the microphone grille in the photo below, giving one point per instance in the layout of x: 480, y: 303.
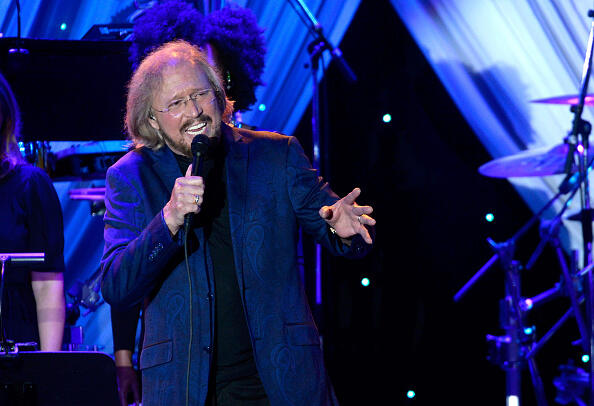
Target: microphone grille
x: 200, y: 144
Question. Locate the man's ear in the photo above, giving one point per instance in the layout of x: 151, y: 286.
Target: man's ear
x: 153, y: 121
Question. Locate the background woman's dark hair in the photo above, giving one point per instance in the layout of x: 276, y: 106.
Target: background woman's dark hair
x: 234, y: 31
x: 10, y: 125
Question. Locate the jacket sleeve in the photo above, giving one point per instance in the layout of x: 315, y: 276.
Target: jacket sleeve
x: 308, y: 193
x: 137, y: 247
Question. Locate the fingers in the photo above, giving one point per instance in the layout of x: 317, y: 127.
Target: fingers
x: 365, y: 234
x: 352, y: 196
x: 136, y: 391
x: 366, y: 220
x: 188, y: 194
x: 187, y: 197
x: 122, y: 396
x: 326, y: 212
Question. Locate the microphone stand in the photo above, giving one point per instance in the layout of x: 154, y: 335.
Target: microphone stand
x: 320, y: 156
x: 8, y: 346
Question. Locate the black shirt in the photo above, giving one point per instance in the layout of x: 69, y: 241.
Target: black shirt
x: 233, y: 348
x: 30, y: 221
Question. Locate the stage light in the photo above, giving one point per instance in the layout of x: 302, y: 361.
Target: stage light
x: 513, y: 401
x: 411, y: 394
x: 528, y: 331
x: 387, y: 118
x: 489, y: 217
x: 262, y: 107
x: 63, y: 26
x: 365, y: 282
x: 585, y: 358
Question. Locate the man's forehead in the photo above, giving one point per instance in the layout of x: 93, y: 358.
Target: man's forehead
x: 184, y: 74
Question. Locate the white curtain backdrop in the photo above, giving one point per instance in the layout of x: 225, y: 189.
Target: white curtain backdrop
x: 494, y: 57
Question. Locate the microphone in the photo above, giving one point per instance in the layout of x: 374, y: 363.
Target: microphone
x: 199, y: 149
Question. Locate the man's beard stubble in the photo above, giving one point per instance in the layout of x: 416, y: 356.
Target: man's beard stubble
x: 185, y: 146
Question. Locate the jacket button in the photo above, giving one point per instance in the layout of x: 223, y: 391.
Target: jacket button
x: 210, y: 296
x: 208, y: 349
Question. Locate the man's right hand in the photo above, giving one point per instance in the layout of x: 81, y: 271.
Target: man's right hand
x: 186, y: 197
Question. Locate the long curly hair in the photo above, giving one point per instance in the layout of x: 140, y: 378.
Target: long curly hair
x: 171, y: 20
x: 233, y: 31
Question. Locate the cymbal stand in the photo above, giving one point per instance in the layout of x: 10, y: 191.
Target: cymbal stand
x: 549, y: 232
x: 578, y: 140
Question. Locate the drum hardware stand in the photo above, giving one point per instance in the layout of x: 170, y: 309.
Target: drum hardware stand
x: 517, y: 347
x: 549, y: 232
x: 8, y: 347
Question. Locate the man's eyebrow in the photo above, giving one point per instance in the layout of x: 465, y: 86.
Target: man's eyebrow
x: 178, y: 96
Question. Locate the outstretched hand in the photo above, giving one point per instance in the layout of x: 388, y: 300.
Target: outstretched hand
x: 348, y: 218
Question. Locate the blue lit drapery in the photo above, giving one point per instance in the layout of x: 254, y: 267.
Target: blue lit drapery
x: 494, y: 57
x: 285, y: 96
x: 288, y: 82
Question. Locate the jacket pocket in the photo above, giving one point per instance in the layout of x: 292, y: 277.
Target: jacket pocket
x: 302, y: 334
x: 156, y: 354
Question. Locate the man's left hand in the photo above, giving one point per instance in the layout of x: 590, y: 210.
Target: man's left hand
x: 347, y: 218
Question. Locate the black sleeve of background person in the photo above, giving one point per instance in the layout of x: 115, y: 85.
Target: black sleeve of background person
x: 123, y: 327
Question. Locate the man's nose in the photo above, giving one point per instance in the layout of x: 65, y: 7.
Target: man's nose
x: 193, y: 108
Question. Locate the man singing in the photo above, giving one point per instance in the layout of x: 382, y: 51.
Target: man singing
x: 230, y: 326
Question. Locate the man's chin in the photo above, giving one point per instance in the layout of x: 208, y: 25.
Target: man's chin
x: 180, y: 148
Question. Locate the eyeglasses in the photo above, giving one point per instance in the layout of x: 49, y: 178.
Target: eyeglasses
x: 178, y: 106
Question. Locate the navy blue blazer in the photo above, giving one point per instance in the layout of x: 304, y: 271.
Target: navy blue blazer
x: 272, y: 190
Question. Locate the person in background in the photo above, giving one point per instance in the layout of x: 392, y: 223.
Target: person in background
x: 33, y: 303
x: 234, y: 44
x: 230, y: 325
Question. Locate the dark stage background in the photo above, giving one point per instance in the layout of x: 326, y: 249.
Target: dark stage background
x: 404, y: 331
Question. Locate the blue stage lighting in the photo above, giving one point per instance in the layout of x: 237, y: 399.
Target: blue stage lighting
x: 365, y: 282
x: 489, y: 217
x: 411, y: 394
x: 63, y: 26
x: 387, y: 118
x: 262, y: 107
x: 585, y: 358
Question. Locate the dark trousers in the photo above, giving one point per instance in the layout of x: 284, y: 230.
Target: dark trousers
x: 246, y: 391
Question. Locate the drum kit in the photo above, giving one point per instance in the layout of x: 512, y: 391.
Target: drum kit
x: 516, y: 350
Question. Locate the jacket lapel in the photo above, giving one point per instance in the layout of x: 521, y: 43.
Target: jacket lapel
x: 166, y: 168
x: 237, y: 173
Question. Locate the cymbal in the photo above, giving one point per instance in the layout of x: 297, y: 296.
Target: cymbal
x: 570, y: 99
x: 536, y: 162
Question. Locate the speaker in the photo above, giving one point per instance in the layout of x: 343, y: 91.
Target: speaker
x: 58, y: 379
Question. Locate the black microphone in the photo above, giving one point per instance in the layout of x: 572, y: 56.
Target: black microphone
x: 199, y: 149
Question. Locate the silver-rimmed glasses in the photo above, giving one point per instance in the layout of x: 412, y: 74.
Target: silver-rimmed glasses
x: 178, y: 106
